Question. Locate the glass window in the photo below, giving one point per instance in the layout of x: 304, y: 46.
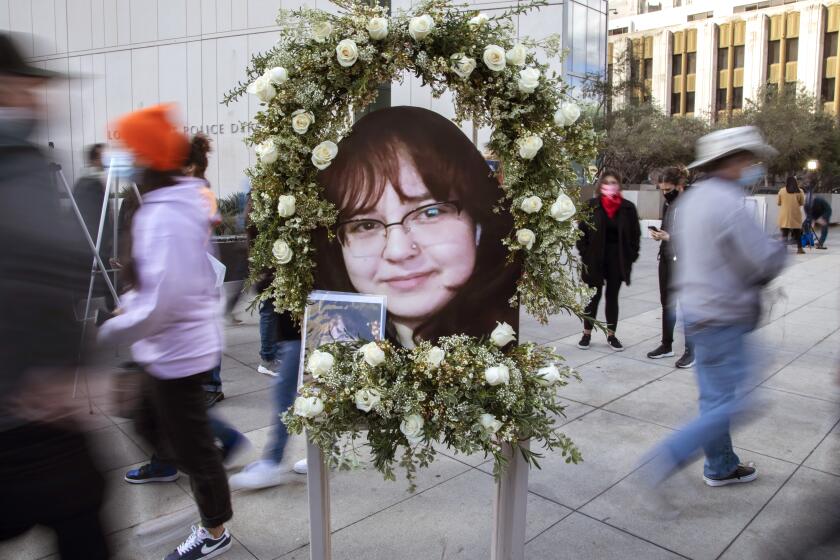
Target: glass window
x: 676, y: 65
x: 579, y: 28
x: 723, y: 58
x: 691, y: 63
x: 774, y: 52
x: 792, y: 46
x: 737, y: 98
x: 689, y: 102
x: 828, y: 89
x: 675, y: 103
x: 720, y: 101
x: 830, y: 44
x: 648, y: 69
x: 739, y: 56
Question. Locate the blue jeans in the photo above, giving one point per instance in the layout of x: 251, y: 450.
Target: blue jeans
x: 284, y: 392
x: 268, y: 331
x: 824, y: 229
x: 215, y: 383
x: 723, y: 367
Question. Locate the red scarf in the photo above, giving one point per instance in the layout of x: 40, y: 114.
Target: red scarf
x: 611, y: 204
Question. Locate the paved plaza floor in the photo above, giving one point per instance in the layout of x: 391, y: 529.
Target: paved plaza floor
x: 625, y: 404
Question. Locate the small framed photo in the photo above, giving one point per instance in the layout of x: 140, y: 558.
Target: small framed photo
x: 340, y: 317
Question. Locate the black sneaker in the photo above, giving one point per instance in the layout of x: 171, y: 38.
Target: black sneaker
x: 744, y: 473
x: 201, y: 545
x: 661, y: 352
x: 152, y: 472
x: 686, y: 361
x: 584, y: 342
x: 212, y: 397
x: 614, y: 343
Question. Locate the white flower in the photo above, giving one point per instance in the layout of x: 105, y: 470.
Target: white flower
x: 494, y: 57
x: 378, y: 28
x: 267, y: 151
x: 367, y: 399
x: 497, y: 375
x: 309, y: 407
x: 435, y: 356
x: 478, y: 21
x: 516, y: 55
x: 525, y: 237
x: 548, y: 375
x: 567, y: 114
x: 372, y: 354
x: 462, y: 65
x: 302, y: 120
x: 531, y: 205
x: 278, y: 75
x: 412, y: 428
x: 529, y: 146
x: 324, y: 153
x: 419, y: 27
x: 489, y: 423
x: 529, y: 79
x: 347, y: 52
x: 563, y: 208
x: 321, y: 31
x: 262, y: 88
x: 286, y: 205
x: 282, y: 252
x: 502, y: 335
x: 319, y: 363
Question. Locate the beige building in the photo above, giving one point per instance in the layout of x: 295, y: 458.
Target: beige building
x: 708, y: 57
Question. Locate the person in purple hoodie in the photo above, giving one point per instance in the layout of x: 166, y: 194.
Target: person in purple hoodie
x: 172, y: 319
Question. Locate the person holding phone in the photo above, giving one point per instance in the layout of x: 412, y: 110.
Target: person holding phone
x: 671, y: 183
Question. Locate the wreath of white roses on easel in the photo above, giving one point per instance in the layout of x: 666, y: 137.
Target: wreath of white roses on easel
x: 325, y: 65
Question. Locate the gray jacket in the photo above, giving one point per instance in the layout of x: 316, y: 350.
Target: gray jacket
x: 726, y: 258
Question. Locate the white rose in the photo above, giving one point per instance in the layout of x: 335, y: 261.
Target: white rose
x: 262, y: 88
x: 309, y: 407
x: 502, y: 335
x: 548, y: 375
x: 286, y: 205
x: 412, y: 428
x: 494, y: 57
x: 377, y: 28
x: 419, y: 27
x: 302, y: 120
x: 372, y: 354
x: 321, y: 31
x: 324, y: 153
x: 435, y: 356
x: 567, y: 114
x: 462, y: 65
x: 516, y: 55
x: 366, y: 399
x: 346, y: 52
x: 478, y: 21
x: 529, y: 146
x: 563, y: 208
x: 497, y: 375
x: 525, y: 237
x: 529, y: 79
x: 278, y: 75
x: 282, y: 252
x: 489, y: 423
x: 267, y: 151
x: 319, y: 363
x: 531, y: 205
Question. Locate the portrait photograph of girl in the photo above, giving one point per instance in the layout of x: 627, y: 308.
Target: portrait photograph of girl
x: 417, y: 224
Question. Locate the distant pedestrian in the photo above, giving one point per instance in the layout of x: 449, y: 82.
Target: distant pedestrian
x: 791, y: 199
x: 608, y: 248
x: 725, y: 261
x: 819, y: 214
x: 671, y: 184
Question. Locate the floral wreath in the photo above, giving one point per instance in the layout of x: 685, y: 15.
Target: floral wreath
x: 321, y: 68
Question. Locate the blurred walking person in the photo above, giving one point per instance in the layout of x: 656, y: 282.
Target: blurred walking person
x: 725, y: 261
x: 819, y: 214
x: 47, y: 475
x: 172, y: 317
x: 790, y: 202
x: 608, y: 248
x: 671, y: 184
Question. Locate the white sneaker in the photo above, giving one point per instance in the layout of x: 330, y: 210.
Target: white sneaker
x: 301, y: 467
x: 260, y: 474
x: 267, y: 368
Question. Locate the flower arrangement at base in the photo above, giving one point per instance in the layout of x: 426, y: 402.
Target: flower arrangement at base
x: 463, y: 393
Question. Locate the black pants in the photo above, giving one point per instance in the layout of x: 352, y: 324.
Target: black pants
x: 47, y: 477
x: 173, y: 419
x: 795, y: 235
x: 669, y: 307
x: 612, y: 278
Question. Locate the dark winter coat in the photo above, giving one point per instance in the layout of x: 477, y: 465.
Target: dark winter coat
x: 592, y: 244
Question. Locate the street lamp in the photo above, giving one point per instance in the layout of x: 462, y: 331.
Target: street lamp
x: 812, y: 165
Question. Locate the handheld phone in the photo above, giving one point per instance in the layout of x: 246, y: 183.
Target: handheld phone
x: 653, y: 228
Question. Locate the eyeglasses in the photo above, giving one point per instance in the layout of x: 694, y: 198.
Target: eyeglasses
x: 428, y: 225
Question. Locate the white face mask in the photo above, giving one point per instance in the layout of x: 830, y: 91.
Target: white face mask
x: 17, y: 122
x: 751, y: 175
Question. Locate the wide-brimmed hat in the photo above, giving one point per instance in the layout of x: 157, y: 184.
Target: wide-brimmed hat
x: 12, y: 62
x: 151, y: 134
x: 722, y: 143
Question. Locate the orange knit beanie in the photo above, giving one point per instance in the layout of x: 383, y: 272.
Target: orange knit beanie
x: 153, y: 137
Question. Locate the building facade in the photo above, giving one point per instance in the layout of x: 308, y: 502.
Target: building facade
x: 706, y: 58
x: 128, y: 54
